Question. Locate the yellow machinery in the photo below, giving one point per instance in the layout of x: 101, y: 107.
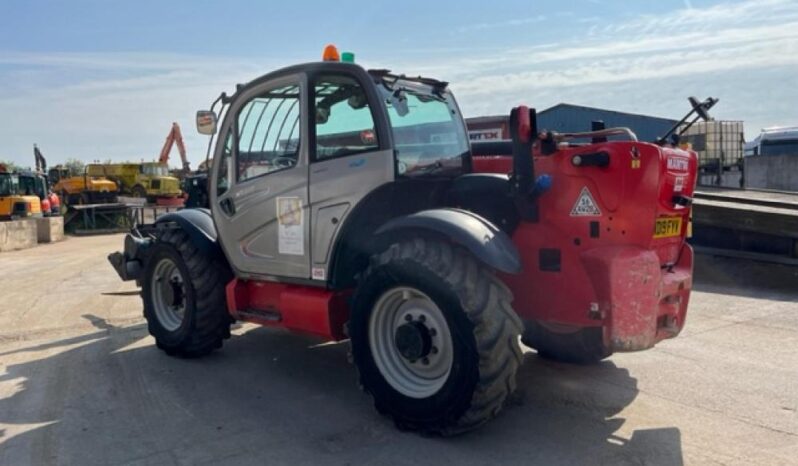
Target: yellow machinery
x: 13, y: 203
x: 85, y: 188
x: 150, y: 180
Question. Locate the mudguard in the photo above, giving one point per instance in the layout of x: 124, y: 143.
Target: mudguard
x: 479, y: 236
x: 198, y: 223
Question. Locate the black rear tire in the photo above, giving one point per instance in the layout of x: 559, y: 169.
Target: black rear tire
x: 580, y: 346
x: 205, y: 321
x: 483, y: 326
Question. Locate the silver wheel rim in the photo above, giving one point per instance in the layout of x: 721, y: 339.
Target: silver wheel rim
x: 168, y: 294
x: 426, y: 375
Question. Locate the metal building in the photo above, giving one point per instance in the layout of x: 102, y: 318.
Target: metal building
x: 572, y: 118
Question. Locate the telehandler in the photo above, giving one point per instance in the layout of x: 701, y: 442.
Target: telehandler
x: 348, y: 204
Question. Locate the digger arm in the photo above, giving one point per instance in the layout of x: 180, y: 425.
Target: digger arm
x: 175, y: 137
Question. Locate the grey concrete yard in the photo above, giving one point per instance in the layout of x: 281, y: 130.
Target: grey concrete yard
x: 81, y: 383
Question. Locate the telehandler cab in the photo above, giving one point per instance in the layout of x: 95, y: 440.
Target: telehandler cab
x: 347, y: 203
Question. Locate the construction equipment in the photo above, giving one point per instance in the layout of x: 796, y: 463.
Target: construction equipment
x: 195, y: 185
x: 175, y: 137
x: 82, y: 188
x: 14, y: 202
x: 51, y: 203
x: 150, y: 180
x: 34, y: 184
x: 347, y: 203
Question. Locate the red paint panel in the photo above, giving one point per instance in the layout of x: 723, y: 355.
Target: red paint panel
x: 297, y: 308
x: 623, y: 269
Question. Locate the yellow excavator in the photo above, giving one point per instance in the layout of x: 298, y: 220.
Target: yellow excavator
x: 14, y: 203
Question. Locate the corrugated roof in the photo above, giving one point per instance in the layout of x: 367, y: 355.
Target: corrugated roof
x: 603, y: 110
x: 492, y: 118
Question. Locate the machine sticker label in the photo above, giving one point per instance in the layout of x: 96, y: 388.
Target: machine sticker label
x: 368, y: 137
x: 635, y: 158
x: 290, y: 226
x: 585, y: 205
x: 678, y: 163
x: 678, y: 185
x: 318, y: 273
x: 357, y: 163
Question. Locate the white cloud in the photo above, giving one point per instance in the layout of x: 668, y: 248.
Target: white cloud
x: 501, y: 24
x: 720, y: 50
x: 120, y: 106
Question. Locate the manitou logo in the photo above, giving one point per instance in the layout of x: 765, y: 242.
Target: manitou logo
x: 677, y: 164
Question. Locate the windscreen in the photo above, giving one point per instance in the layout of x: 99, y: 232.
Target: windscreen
x: 29, y: 186
x: 428, y: 131
x: 155, y: 170
x: 8, y: 185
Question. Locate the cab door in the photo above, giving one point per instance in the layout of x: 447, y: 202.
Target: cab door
x: 351, y: 156
x: 259, y: 187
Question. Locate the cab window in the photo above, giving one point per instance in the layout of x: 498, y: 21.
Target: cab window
x: 344, y: 122
x: 268, y: 133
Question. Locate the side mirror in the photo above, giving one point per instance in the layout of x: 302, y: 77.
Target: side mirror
x: 206, y: 122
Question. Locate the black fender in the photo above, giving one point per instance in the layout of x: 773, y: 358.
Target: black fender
x: 480, y: 237
x: 198, y: 224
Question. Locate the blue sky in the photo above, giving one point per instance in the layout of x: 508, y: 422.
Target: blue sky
x: 104, y: 79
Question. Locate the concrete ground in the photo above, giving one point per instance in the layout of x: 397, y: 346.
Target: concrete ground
x: 82, y: 383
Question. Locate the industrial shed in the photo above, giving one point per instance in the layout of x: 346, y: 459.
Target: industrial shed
x: 572, y: 118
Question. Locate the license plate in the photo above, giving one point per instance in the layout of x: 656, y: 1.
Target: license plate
x: 668, y: 227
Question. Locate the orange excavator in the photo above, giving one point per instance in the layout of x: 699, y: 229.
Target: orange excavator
x: 175, y: 137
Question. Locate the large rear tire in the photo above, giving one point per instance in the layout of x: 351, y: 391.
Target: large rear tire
x: 434, y: 337
x: 183, y: 290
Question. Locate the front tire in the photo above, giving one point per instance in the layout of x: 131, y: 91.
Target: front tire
x: 434, y: 337
x: 183, y: 291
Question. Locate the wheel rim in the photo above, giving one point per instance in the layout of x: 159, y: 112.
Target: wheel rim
x: 411, y: 342
x: 168, y: 294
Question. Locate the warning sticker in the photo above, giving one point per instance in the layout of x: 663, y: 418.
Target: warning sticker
x: 585, y: 205
x: 290, y: 230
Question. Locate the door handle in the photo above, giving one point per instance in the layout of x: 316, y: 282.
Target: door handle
x: 228, y: 206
